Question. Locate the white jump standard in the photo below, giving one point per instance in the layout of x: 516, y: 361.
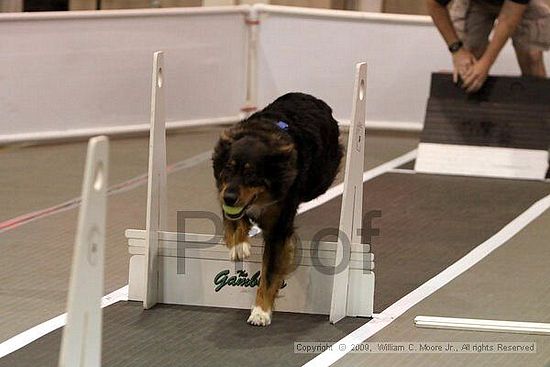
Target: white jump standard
x: 212, y: 279
x: 81, y: 342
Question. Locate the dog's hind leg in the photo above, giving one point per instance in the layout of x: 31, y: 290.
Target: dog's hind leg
x: 236, y: 238
x: 276, y: 265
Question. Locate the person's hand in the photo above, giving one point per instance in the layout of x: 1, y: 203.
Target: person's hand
x: 475, y: 76
x: 463, y: 60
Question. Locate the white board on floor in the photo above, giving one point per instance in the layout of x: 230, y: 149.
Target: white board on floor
x: 483, y: 161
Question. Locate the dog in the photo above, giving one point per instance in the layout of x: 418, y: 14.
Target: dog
x: 264, y: 167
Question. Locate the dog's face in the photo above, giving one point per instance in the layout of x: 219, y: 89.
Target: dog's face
x: 252, y: 170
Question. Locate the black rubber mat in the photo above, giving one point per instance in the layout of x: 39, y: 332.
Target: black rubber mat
x: 497, y: 89
x: 508, y: 112
x: 515, y: 125
x: 425, y: 223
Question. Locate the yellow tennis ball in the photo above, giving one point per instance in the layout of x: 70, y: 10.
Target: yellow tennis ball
x: 232, y: 210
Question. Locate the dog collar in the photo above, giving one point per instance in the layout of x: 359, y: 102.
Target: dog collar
x: 282, y: 125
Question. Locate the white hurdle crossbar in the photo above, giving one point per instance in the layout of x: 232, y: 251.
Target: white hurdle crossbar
x: 208, y: 281
x: 81, y: 343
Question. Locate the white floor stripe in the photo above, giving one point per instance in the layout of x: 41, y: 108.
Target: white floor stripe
x: 28, y: 336
x: 368, y: 175
x: 403, y: 171
x: 391, y: 313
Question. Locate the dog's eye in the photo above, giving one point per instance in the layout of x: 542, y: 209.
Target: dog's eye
x: 248, y: 171
x: 230, y: 166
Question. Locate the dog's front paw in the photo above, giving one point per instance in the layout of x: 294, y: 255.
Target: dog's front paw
x: 240, y: 251
x: 259, y: 317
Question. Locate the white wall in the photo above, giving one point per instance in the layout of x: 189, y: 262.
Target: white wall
x: 84, y: 73
x: 65, y: 72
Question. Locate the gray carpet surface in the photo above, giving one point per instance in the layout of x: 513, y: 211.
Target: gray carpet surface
x: 509, y: 284
x: 427, y: 223
x: 35, y: 265
x: 192, y: 336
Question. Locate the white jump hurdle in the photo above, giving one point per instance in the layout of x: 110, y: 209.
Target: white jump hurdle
x: 81, y: 343
x: 212, y: 279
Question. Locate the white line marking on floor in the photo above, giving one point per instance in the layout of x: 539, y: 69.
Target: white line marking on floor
x: 113, y: 190
x: 368, y: 175
x: 30, y: 335
x: 391, y: 313
x: 403, y: 171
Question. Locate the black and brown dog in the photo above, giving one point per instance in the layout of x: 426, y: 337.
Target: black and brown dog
x: 265, y: 166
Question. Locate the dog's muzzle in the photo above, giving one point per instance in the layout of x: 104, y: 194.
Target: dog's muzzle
x: 231, y: 214
x: 234, y: 216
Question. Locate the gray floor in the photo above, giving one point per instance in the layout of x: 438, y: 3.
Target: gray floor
x: 39, y: 176
x: 427, y: 223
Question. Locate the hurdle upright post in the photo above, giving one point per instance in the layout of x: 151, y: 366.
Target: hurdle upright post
x: 81, y: 342
x: 156, y: 185
x: 352, y: 199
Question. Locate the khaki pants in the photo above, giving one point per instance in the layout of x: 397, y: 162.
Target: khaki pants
x: 474, y: 20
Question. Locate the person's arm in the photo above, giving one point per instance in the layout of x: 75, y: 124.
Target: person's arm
x: 442, y: 20
x: 462, y: 59
x: 507, y: 22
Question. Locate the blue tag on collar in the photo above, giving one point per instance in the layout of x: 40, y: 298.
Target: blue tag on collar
x: 282, y: 125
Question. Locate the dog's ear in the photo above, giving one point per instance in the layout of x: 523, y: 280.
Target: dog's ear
x: 230, y: 135
x: 225, y: 141
x: 221, y: 152
x: 283, y: 164
x: 226, y: 136
x: 283, y: 152
x: 285, y: 149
